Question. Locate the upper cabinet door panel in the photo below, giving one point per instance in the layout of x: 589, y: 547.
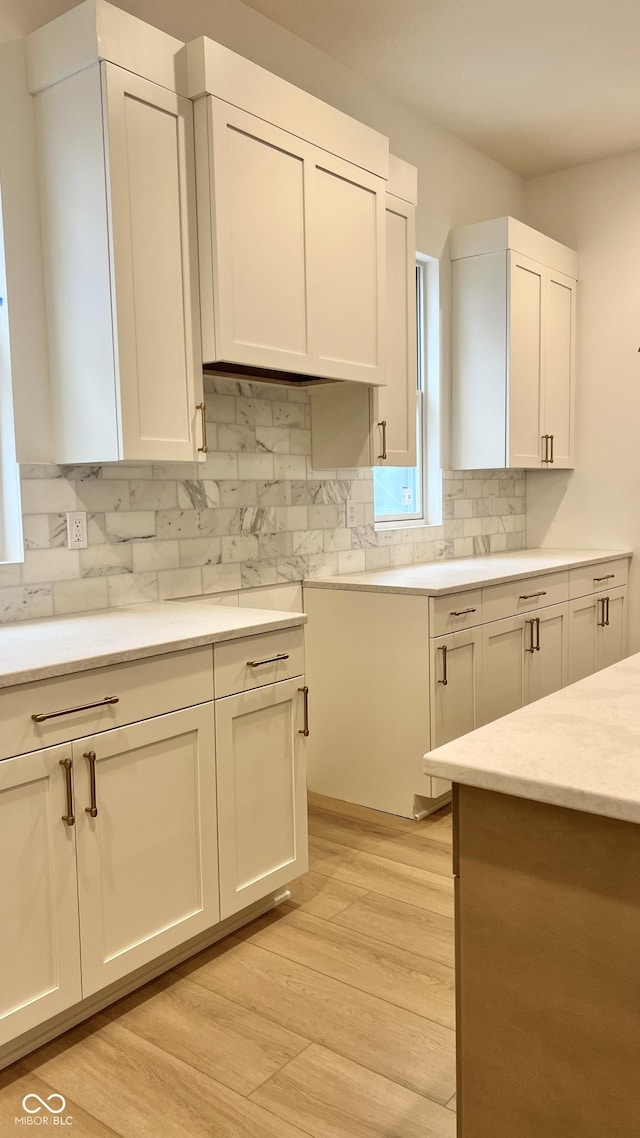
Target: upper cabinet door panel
x: 149, y: 146
x: 525, y: 360
x: 346, y: 270
x: 397, y: 400
x: 258, y: 241
x: 559, y: 372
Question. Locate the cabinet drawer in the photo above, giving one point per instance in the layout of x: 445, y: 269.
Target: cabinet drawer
x: 254, y: 661
x: 595, y: 578
x: 514, y: 597
x: 143, y: 688
x: 455, y: 611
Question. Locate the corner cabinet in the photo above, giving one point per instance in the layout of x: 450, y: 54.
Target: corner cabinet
x: 291, y: 226
x: 117, y: 188
x: 377, y: 426
x: 513, y: 348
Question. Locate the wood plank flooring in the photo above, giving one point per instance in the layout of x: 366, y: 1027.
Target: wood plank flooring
x: 331, y: 1017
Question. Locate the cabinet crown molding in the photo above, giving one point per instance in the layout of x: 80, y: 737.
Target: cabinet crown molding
x: 502, y: 233
x: 213, y: 69
x: 94, y: 31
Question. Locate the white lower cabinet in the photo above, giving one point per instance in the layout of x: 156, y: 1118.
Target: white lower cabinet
x: 262, y: 791
x: 455, y: 682
x: 598, y: 632
x: 523, y: 658
x: 147, y: 862
x: 39, y: 945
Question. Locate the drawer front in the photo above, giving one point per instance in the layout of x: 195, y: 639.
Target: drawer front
x: 514, y: 597
x: 253, y: 661
x: 596, y: 578
x: 142, y: 688
x: 455, y: 611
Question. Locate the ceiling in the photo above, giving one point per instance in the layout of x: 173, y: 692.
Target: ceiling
x: 539, y: 85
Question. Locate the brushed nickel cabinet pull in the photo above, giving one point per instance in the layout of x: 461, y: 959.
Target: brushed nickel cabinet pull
x: 551, y: 441
x: 537, y: 620
x: 305, y: 692
x: 604, y: 613
x: 202, y: 408
x: 545, y: 452
x: 267, y: 660
x: 532, y: 646
x: 43, y: 715
x: 462, y: 612
x: 607, y: 577
x: 68, y: 817
x: 445, y: 679
x: 91, y: 758
x: 531, y: 596
x: 383, y: 424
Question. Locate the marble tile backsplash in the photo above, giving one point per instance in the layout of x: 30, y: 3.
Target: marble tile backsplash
x: 255, y: 513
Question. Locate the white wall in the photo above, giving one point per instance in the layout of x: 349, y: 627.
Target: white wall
x: 596, y: 209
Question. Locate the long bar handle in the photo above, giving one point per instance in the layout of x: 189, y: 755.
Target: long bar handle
x: 202, y: 408
x: 383, y: 424
x: 545, y: 456
x: 537, y: 620
x: 445, y: 679
x: 604, y: 601
x: 305, y: 692
x: 91, y: 758
x: 462, y: 612
x: 43, y: 715
x: 551, y: 441
x: 531, y: 596
x: 268, y: 660
x: 607, y: 577
x: 68, y: 817
x: 532, y: 646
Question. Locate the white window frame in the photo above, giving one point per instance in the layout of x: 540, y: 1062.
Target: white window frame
x: 428, y: 402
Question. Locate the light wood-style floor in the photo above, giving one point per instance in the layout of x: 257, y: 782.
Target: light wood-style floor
x: 332, y: 1016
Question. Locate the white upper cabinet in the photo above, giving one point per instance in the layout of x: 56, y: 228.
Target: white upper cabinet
x: 117, y: 183
x: 513, y: 348
x: 377, y: 426
x: 291, y: 226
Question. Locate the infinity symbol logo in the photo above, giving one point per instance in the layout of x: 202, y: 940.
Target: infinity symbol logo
x: 47, y: 1103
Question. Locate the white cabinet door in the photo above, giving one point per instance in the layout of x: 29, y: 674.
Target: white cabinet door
x: 526, y: 285
x: 262, y: 792
x: 558, y: 395
x: 346, y: 284
x: 151, y: 186
x: 117, y: 187
x: 252, y: 200
x: 396, y: 402
x: 39, y: 946
x: 611, y: 628
x: 455, y: 679
x: 503, y: 676
x: 594, y: 643
x: 147, y: 861
x: 546, y: 667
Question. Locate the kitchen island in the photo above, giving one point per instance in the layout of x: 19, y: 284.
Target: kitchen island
x: 547, y: 878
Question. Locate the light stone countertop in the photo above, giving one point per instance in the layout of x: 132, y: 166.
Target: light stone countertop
x: 38, y: 649
x: 438, y: 578
x: 579, y: 747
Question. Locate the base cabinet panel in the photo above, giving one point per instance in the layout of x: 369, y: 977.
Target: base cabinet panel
x: 39, y: 945
x: 455, y: 682
x: 147, y: 862
x: 262, y: 792
x: 597, y: 632
x: 503, y: 672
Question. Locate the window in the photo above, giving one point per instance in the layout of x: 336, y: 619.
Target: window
x: 10, y: 518
x: 412, y: 495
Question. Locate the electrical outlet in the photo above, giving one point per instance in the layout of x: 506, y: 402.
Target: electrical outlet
x: 352, y: 514
x: 77, y: 530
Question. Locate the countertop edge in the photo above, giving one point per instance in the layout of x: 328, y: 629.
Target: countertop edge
x: 342, y: 582
x: 566, y: 796
x: 160, y: 648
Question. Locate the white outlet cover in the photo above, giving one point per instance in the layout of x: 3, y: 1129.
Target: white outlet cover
x: 77, y: 529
